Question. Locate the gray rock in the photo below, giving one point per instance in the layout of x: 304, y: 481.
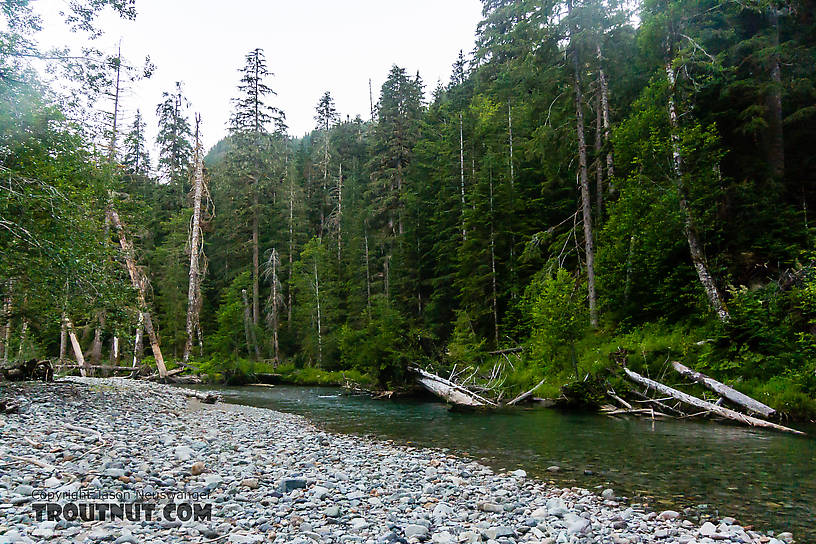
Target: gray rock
x: 707, y: 529
x: 183, y: 453
x: 668, y: 514
x: 25, y: 490
x: 496, y: 532
x: 418, y: 531
x: 287, y: 485
x: 556, y: 507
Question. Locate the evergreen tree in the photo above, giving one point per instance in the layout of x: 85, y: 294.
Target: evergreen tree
x: 173, y: 139
x: 136, y: 157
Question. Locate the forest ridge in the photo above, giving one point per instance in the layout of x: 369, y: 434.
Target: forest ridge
x: 598, y: 183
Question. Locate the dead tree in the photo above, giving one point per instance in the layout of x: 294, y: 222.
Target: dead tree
x: 140, y: 284
x: 695, y: 247
x: 706, y: 406
x: 249, y: 328
x: 589, y: 244
x: 196, y: 248
x: 275, y: 300
x: 724, y: 391
x: 83, y: 366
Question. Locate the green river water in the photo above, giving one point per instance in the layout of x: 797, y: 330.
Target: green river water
x: 762, y: 478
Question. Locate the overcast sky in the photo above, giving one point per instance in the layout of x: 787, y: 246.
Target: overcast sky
x: 311, y: 46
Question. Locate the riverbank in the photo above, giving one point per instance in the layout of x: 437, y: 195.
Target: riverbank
x: 253, y: 462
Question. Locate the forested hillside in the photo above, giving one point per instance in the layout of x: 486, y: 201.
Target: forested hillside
x: 598, y: 182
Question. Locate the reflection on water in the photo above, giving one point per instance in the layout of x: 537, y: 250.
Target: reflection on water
x: 759, y: 477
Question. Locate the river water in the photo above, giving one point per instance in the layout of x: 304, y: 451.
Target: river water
x: 762, y: 478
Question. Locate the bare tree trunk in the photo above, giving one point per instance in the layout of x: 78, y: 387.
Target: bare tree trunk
x: 247, y: 322
x: 400, y: 204
x: 112, y: 150
x: 255, y: 264
x: 493, y: 269
x: 63, y: 340
x: 83, y: 366
x: 589, y: 245
x: 196, y: 242
x: 387, y: 277
x: 339, y: 213
x: 138, y: 343
x: 703, y: 405
x: 695, y: 247
x: 23, y: 338
x: 368, y: 273
x: 275, y: 309
x: 319, y: 324
x: 462, y: 174
x: 96, y: 346
x: 610, y: 160
x: 291, y: 247
x: 371, y: 98
x: 740, y: 399
x: 7, y: 309
x: 776, y: 137
x: 140, y: 285
x: 598, y: 166
x: 627, y: 286
x: 510, y: 131
x: 114, y: 353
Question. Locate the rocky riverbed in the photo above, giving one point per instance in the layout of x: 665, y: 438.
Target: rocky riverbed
x: 265, y: 476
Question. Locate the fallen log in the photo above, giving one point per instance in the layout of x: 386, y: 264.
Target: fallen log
x: 100, y: 367
x: 636, y: 412
x: 28, y: 370
x: 620, y: 400
x: 728, y: 393
x: 207, y: 397
x: 658, y: 403
x: 449, y: 391
x: 525, y: 395
x: 704, y: 405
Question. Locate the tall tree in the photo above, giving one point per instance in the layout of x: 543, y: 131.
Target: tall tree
x: 253, y: 149
x: 197, y: 268
x: 173, y: 139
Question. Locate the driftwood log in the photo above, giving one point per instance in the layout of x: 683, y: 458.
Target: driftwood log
x: 207, y: 397
x: 728, y: 393
x: 28, y: 370
x: 527, y: 394
x: 449, y: 391
x: 707, y: 406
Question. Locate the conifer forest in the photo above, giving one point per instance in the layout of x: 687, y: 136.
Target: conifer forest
x: 598, y: 184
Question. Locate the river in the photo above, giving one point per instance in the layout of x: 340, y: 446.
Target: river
x: 759, y: 477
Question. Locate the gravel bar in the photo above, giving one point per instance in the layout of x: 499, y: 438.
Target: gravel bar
x: 267, y: 476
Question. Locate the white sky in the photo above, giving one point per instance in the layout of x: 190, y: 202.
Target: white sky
x: 311, y: 46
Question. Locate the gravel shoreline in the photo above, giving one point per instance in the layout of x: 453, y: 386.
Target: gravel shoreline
x: 270, y: 476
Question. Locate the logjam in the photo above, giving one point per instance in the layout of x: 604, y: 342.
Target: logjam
x: 724, y: 391
x: 28, y: 370
x: 449, y: 391
x: 704, y: 405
